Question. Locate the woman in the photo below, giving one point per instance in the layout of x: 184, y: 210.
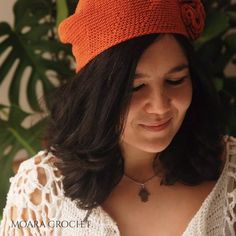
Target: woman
x: 135, y: 142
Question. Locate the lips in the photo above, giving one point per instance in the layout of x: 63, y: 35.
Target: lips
x: 157, y: 128
x: 157, y: 124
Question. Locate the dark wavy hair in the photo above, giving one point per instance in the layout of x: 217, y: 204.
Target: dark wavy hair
x: 86, y: 119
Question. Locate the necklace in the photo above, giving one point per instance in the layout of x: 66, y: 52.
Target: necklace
x: 143, y: 192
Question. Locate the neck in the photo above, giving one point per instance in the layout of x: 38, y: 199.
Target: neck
x: 138, y: 164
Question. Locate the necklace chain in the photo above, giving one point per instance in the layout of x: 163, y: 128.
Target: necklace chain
x: 143, y: 193
x: 139, y: 183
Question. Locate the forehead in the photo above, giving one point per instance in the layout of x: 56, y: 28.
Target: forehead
x: 172, y: 70
x: 164, y: 56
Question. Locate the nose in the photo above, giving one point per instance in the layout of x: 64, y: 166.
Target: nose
x: 158, y: 102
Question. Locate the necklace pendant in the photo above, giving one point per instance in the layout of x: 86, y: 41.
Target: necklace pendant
x: 143, y: 193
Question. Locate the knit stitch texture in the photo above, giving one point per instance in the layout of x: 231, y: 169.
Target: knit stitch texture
x: 98, y: 25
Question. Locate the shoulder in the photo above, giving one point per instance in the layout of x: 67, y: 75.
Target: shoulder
x: 35, y: 192
x: 231, y: 184
x: 230, y: 159
x: 229, y: 155
x: 231, y: 148
x: 37, y: 172
x: 229, y: 138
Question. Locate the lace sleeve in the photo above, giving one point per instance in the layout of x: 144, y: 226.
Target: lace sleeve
x: 34, y: 197
x: 231, y: 189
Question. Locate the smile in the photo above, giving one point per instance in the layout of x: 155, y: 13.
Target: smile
x: 157, y: 128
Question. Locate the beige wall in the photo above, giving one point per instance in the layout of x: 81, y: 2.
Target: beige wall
x: 5, y: 15
x: 6, y: 10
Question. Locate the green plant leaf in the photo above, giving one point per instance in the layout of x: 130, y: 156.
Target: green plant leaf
x: 232, y: 15
x: 14, y: 137
x: 62, y: 11
x: 28, y: 13
x: 231, y: 11
x: 32, y: 50
x: 28, y: 51
x: 219, y: 84
x: 4, y: 28
x: 5, y: 173
x: 217, y: 22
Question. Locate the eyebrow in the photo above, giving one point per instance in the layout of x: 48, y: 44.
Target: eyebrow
x: 171, y: 71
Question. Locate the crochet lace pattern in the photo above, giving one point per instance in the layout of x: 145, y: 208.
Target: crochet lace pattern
x: 51, y: 211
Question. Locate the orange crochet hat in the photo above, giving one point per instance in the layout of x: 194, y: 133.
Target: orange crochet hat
x: 97, y: 25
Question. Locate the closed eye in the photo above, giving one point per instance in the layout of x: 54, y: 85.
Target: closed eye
x: 171, y: 82
x: 176, y: 82
x: 137, y: 88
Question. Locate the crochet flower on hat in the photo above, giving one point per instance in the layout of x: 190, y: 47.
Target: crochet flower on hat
x: 193, y: 15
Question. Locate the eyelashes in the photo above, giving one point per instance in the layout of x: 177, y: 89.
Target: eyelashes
x: 134, y: 89
x: 177, y: 82
x: 171, y: 82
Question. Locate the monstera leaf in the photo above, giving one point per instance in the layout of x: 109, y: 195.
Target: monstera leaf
x: 33, y: 54
x: 32, y: 46
x: 14, y: 137
x: 217, y: 49
x: 217, y: 22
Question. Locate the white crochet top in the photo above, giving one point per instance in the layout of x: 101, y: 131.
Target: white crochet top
x: 51, y: 213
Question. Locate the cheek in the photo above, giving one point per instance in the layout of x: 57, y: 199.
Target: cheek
x: 182, y: 98
x: 133, y: 112
x: 129, y: 123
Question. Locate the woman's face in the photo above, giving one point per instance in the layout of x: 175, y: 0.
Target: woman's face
x: 163, y: 91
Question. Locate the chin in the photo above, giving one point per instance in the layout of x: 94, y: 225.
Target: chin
x: 155, y: 146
